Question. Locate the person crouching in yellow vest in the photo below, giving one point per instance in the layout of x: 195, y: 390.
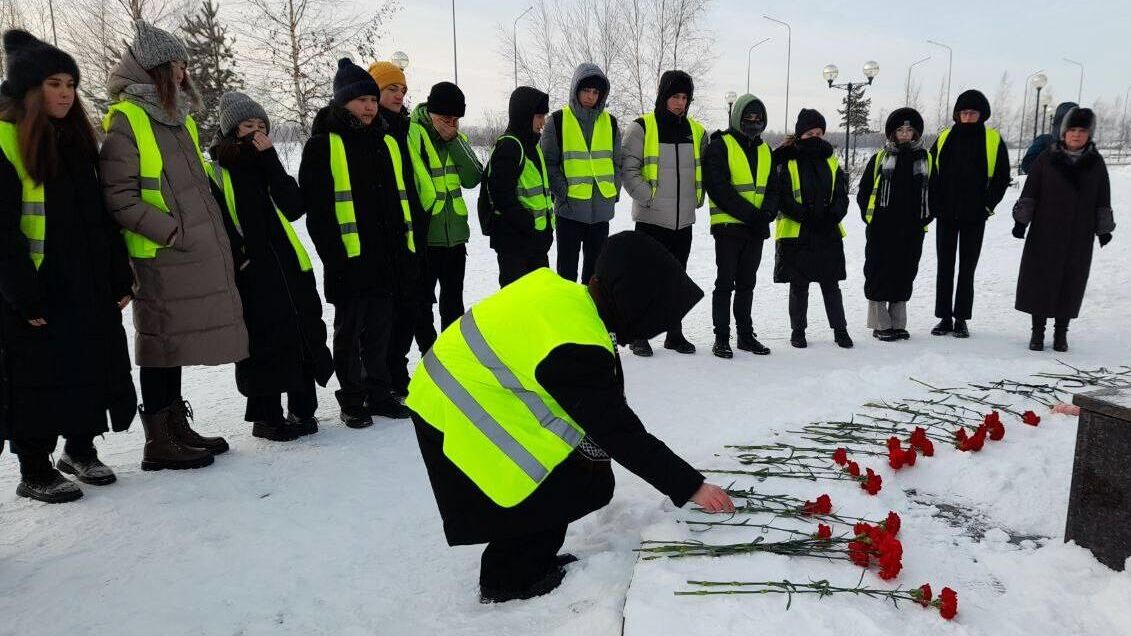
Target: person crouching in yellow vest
x: 517, y: 425
x: 358, y: 216
x: 808, y: 233
x: 737, y: 172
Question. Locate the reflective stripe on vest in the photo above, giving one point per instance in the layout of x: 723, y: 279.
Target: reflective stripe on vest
x: 150, y: 166
x: 651, y: 168
x: 533, y: 188
x: 33, y: 196
x: 402, y: 190
x: 436, y: 182
x: 478, y: 384
x: 787, y: 228
x: 344, y: 210
x: 742, y: 179
x: 223, y: 179
x: 877, y: 166
x: 993, y: 141
x: 584, y: 164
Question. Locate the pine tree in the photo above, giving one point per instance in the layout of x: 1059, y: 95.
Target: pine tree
x: 859, y: 115
x: 213, y: 67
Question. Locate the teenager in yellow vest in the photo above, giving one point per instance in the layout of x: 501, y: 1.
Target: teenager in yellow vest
x: 517, y: 426
x: 64, y: 281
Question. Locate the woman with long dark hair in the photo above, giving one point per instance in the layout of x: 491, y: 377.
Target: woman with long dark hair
x: 64, y: 279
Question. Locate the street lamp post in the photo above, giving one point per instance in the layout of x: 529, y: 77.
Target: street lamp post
x: 1021, y: 126
x: 1080, y: 88
x: 1123, y: 123
x: 907, y: 87
x: 515, y: 32
x: 830, y: 73
x: 788, y: 55
x: 1045, y: 101
x: 731, y: 97
x: 455, y: 51
x: 949, y: 66
x: 1039, y: 81
x: 748, y: 52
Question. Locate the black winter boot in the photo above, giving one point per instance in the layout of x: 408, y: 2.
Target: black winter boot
x: 87, y: 469
x: 679, y: 344
x: 960, y: 329
x: 543, y: 586
x: 945, y: 326
x: 356, y: 418
x: 1060, y: 337
x: 797, y: 339
x: 750, y: 343
x: 885, y: 335
x: 179, y: 427
x: 722, y: 349
x: 842, y: 339
x: 276, y: 431
x: 390, y: 408
x: 49, y: 487
x: 1037, y: 340
x: 304, y: 425
x: 641, y: 348
x: 164, y: 449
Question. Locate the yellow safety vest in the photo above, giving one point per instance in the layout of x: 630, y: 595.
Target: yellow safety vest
x: 877, y: 164
x: 993, y: 141
x: 437, y: 182
x: 150, y: 167
x: 584, y: 164
x: 223, y: 180
x: 787, y: 228
x: 651, y: 169
x: 742, y: 179
x: 33, y: 199
x: 344, y: 210
x: 533, y: 188
x: 477, y: 385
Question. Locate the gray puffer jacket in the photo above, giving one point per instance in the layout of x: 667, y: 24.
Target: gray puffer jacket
x: 597, y: 209
x: 674, y: 204
x: 187, y: 310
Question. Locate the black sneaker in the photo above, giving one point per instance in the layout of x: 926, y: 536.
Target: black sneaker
x: 721, y: 349
x: 88, y: 470
x: 960, y: 329
x: 885, y: 335
x: 276, y: 431
x: 797, y: 339
x: 51, y: 487
x: 304, y: 425
x: 641, y: 348
x: 843, y: 340
x: 544, y: 586
x: 391, y: 409
x: 945, y: 326
x: 750, y: 343
x: 902, y: 334
x: 356, y: 419
x: 679, y: 344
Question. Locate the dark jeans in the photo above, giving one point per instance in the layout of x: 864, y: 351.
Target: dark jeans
x: 160, y: 387
x: 678, y: 242
x: 269, y: 408
x: 513, y: 266
x: 799, y: 305
x: 362, y: 328
x: 573, y: 237
x: 965, y: 242
x: 446, y: 266
x: 519, y: 562
x: 34, y: 452
x: 407, y: 315
x: 736, y: 259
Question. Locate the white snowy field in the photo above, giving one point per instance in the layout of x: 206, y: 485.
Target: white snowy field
x: 338, y: 533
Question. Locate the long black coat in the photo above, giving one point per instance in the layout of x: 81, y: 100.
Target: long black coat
x: 817, y: 254
x: 895, y: 235
x: 1067, y: 205
x: 960, y: 192
x: 64, y: 377
x: 282, y: 310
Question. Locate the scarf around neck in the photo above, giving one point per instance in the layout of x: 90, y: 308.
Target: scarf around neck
x: 145, y: 95
x: 920, y: 172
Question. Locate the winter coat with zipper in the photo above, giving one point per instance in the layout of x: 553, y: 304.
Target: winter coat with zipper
x: 673, y: 207
x: 186, y: 305
x: 446, y: 228
x: 817, y: 254
x: 895, y: 234
x: 282, y: 309
x: 513, y: 230
x: 385, y: 267
x: 1066, y: 205
x: 597, y: 209
x: 63, y: 378
x: 959, y: 190
x: 717, y: 180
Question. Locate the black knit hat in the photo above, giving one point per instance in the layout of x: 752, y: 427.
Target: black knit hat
x: 807, y: 120
x: 673, y: 82
x: 29, y: 61
x: 1078, y: 118
x: 351, y: 81
x: 446, y: 99
x: 901, y: 117
x: 973, y: 100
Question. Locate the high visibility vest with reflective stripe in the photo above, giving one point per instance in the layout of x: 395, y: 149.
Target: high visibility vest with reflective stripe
x: 436, y: 182
x: 477, y: 385
x: 786, y: 227
x: 533, y: 189
x: 224, y: 180
x: 150, y: 166
x: 344, y: 210
x: 742, y: 179
x: 651, y: 169
x: 33, y: 200
x: 584, y: 164
x: 877, y: 164
x: 993, y: 141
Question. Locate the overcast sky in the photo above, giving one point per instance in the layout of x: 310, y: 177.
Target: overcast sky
x: 988, y: 37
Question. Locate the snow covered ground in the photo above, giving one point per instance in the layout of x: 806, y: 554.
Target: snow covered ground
x: 339, y: 534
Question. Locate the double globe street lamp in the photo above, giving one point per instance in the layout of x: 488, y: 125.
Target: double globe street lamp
x: 830, y: 73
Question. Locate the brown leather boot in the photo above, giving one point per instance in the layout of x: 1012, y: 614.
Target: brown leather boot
x: 163, y: 450
x: 179, y: 426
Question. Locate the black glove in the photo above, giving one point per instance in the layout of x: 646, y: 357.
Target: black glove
x: 1019, y: 230
x: 1105, y: 238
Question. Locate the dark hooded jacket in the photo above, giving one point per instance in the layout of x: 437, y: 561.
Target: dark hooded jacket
x: 385, y: 266
x: 597, y: 209
x: 960, y: 191
x: 817, y: 254
x: 717, y: 179
x: 396, y: 124
x: 282, y: 310
x: 642, y: 291
x: 1045, y: 141
x: 512, y: 229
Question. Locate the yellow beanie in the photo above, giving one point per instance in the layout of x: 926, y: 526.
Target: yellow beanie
x: 385, y: 73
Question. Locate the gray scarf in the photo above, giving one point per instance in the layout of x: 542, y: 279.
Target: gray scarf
x: 145, y: 95
x: 921, y: 170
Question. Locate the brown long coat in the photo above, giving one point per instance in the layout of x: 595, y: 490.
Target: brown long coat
x: 187, y: 308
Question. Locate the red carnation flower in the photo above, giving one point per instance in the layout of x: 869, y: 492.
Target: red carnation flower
x: 853, y: 469
x: 918, y: 435
x: 891, y: 556
x: 909, y: 457
x: 872, y: 483
x: 858, y: 553
x: 895, y: 456
x: 1031, y: 418
x: 892, y: 524
x: 824, y: 532
x: 823, y: 506
x: 992, y: 418
x: 978, y: 439
x: 840, y: 456
x: 923, y: 594
x: 961, y: 440
x: 922, y: 443
x: 948, y: 603
x: 893, y: 442
x: 995, y: 429
x: 861, y: 529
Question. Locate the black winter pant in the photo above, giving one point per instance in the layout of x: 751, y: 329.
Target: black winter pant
x: 965, y: 242
x: 406, y: 323
x: 160, y: 387
x: 519, y: 562
x: 35, y: 452
x: 573, y: 237
x: 269, y: 408
x: 513, y: 266
x: 362, y: 328
x: 678, y: 242
x: 736, y: 261
x: 446, y: 266
x: 799, y: 305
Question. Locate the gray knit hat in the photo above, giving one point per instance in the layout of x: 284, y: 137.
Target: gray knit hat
x: 236, y: 107
x: 153, y: 47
